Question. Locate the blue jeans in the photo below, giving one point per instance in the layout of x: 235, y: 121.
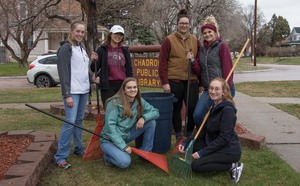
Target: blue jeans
x: 203, y: 104
x: 74, y: 115
x: 116, y: 156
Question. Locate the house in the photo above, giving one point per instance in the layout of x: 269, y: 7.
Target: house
x: 294, y: 39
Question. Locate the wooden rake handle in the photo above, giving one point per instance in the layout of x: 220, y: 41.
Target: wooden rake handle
x: 228, y: 76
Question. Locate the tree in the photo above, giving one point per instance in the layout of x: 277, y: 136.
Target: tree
x: 248, y: 23
x: 24, y: 23
x: 279, y: 28
x: 161, y: 16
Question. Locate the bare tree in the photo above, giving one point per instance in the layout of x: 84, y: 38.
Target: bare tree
x: 24, y: 23
x: 161, y: 16
x: 248, y: 23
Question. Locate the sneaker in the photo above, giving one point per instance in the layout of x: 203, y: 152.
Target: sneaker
x: 79, y: 153
x: 236, y: 172
x: 63, y: 164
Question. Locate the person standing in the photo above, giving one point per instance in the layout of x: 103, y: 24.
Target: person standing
x: 113, y: 63
x: 173, y: 71
x: 217, y: 147
x: 73, y: 71
x: 127, y: 116
x: 214, y: 60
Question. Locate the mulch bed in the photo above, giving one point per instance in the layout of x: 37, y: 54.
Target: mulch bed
x: 10, y: 149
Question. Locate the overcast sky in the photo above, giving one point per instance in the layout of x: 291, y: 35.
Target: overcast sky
x: 288, y: 9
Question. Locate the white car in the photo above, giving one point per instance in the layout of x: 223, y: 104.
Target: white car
x: 43, y: 71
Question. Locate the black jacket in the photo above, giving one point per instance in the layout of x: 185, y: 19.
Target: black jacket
x: 218, y: 134
x: 103, y: 65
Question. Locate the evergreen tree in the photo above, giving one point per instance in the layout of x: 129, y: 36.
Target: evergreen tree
x: 279, y: 28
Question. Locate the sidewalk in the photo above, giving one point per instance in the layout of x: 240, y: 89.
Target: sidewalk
x: 282, y: 131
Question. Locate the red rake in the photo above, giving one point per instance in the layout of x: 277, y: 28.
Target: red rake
x: 93, y: 151
x: 157, y: 159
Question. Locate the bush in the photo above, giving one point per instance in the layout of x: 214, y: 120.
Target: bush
x: 290, y: 51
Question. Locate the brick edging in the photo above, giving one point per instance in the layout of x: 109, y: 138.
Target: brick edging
x: 31, y: 163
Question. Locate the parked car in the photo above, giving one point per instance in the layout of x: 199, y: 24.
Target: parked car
x: 43, y: 71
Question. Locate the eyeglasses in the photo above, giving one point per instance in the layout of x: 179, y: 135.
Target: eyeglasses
x: 183, y: 23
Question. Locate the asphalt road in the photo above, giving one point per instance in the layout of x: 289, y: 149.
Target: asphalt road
x: 277, y: 73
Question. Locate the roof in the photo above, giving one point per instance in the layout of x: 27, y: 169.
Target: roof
x: 297, y: 29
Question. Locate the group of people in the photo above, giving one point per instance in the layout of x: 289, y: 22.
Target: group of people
x: 128, y: 115
x: 217, y: 148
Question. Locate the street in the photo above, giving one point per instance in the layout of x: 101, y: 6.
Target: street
x: 277, y: 73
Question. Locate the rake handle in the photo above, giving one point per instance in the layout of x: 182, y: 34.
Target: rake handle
x: 228, y: 76
x: 237, y: 60
x: 58, y: 118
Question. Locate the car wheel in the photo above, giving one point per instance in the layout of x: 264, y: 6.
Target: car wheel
x: 43, y: 81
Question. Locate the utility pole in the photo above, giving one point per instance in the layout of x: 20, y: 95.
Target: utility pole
x: 254, y: 34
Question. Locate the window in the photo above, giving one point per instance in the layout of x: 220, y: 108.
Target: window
x: 49, y: 60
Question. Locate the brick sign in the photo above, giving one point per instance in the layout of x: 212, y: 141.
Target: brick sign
x: 145, y: 70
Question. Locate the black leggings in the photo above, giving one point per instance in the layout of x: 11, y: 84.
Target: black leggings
x: 107, y: 93
x: 179, y: 89
x: 215, y: 162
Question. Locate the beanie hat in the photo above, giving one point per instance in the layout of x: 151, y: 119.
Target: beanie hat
x: 209, y: 26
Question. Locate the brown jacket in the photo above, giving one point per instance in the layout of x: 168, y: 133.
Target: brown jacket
x: 173, y: 63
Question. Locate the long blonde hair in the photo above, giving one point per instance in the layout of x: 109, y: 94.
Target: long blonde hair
x: 120, y: 95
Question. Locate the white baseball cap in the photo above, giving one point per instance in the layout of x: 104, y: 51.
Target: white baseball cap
x: 117, y: 29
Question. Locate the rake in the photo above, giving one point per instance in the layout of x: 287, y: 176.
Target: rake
x: 182, y: 165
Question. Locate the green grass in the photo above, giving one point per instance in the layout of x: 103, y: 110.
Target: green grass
x: 270, y: 88
x: 274, y: 60
x: 12, y: 69
x: 30, y: 95
x: 262, y: 167
x: 38, y: 95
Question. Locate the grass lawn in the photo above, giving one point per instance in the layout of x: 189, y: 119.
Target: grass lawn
x: 262, y: 167
x: 12, y: 69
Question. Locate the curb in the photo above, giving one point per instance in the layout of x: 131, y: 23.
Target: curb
x: 31, y: 163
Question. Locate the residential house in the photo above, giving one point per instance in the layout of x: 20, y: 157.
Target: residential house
x: 294, y: 38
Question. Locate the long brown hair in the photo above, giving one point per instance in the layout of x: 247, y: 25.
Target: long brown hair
x: 126, y: 104
x: 107, y: 40
x: 72, y: 28
x: 226, y: 90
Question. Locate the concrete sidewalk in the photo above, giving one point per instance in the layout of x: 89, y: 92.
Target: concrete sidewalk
x: 282, y: 131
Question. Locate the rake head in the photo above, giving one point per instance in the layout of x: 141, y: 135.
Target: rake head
x: 181, y: 163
